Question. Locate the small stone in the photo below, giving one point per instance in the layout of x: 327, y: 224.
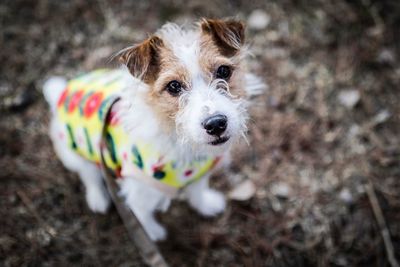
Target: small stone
x: 349, y: 98
x: 258, y: 20
x: 43, y: 237
x: 276, y: 205
x: 243, y: 191
x: 281, y: 190
x: 78, y: 39
x: 341, y: 261
x: 346, y: 196
x: 381, y: 117
x: 354, y: 130
x: 386, y: 56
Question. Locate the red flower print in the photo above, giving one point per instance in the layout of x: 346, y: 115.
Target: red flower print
x: 188, y: 173
x: 92, y: 104
x: 62, y: 97
x: 74, y: 102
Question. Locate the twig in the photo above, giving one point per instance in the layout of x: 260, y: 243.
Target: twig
x: 382, y: 224
x: 28, y: 203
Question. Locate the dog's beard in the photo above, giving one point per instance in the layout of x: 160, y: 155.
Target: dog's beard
x: 193, y: 109
x: 188, y: 141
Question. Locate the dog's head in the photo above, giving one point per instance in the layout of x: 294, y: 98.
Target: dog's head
x: 195, y: 81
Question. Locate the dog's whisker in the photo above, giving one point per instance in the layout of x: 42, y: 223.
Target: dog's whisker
x: 245, y: 138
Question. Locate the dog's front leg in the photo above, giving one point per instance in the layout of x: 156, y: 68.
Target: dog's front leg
x: 144, y: 200
x: 205, y: 200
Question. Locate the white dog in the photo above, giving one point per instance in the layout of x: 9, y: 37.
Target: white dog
x: 182, y: 104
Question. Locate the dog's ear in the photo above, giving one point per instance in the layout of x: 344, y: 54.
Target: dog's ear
x: 228, y: 35
x: 143, y: 60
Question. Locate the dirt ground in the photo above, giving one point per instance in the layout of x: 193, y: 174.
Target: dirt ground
x: 324, y: 148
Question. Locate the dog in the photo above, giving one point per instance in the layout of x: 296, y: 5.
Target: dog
x: 170, y: 116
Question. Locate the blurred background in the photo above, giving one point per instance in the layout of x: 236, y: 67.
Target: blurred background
x: 324, y: 150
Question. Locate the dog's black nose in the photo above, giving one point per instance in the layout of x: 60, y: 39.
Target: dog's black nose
x: 215, y: 125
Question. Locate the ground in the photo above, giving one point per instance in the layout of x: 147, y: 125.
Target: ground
x: 324, y: 139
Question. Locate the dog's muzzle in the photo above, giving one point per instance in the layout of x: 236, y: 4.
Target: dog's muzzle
x: 216, y: 126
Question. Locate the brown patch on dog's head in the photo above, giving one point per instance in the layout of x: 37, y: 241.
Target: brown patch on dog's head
x: 164, y: 104
x: 212, y: 57
x: 153, y: 62
x: 228, y: 35
x: 143, y: 59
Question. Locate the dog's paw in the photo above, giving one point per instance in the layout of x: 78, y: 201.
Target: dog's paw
x: 156, y: 232
x: 212, y: 203
x: 98, y: 200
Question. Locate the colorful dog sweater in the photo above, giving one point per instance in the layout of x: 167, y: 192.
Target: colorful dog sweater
x: 83, y: 107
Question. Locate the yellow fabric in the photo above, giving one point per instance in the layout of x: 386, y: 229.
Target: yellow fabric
x: 83, y: 107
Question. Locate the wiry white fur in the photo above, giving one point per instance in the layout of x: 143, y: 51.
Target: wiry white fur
x: 187, y: 142
x: 205, y: 100
x: 179, y: 36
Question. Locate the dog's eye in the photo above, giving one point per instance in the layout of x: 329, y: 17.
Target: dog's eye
x: 174, y: 88
x: 223, y: 72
